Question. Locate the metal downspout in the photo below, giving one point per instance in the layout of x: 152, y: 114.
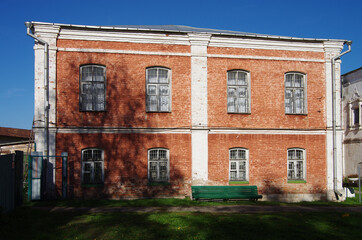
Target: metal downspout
x: 335, y: 187
x: 46, y: 87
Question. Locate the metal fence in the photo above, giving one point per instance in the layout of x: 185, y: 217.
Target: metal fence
x: 11, y: 181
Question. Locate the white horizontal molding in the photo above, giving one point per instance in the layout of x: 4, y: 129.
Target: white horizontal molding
x: 267, y: 44
x: 265, y: 58
x: 268, y: 131
x: 116, y: 36
x: 122, y: 130
x: 96, y: 50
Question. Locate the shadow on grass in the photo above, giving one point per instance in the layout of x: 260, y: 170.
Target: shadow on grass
x: 27, y: 223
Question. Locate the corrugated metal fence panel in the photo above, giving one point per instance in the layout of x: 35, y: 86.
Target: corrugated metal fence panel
x: 7, y: 182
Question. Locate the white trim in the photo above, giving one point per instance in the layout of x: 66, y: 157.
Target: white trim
x: 304, y: 163
x: 238, y: 162
x: 95, y: 50
x: 158, y: 166
x: 123, y: 130
x: 265, y: 58
x: 268, y: 131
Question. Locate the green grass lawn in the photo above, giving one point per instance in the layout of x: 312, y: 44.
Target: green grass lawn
x: 30, y: 223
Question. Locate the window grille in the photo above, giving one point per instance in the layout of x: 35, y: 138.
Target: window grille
x: 238, y: 164
x: 158, y: 165
x: 296, y: 160
x: 158, y: 89
x: 238, y: 91
x: 92, y: 166
x: 92, y: 88
x: 295, y: 92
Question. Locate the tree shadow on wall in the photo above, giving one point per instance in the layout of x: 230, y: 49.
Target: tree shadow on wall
x: 117, y: 132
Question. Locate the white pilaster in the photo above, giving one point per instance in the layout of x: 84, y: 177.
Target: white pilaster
x: 199, y: 134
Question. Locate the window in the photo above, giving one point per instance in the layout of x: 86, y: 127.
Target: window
x: 92, y: 166
x: 158, y: 165
x: 296, y: 164
x: 295, y: 93
x: 239, y: 164
x: 238, y: 91
x: 92, y: 88
x: 355, y: 108
x: 158, y: 89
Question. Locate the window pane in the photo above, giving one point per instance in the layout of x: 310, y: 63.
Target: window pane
x: 233, y: 154
x: 231, y: 104
x: 87, y: 155
x: 97, y: 172
x: 299, y: 154
x: 98, y: 74
x: 233, y: 175
x: 152, y: 75
x: 242, y: 166
x: 162, y: 154
x: 233, y: 165
x: 242, y: 78
x: 152, y: 103
x: 242, y: 106
x: 86, y: 73
x: 291, y: 154
x: 232, y: 78
x: 164, y: 106
x: 163, y: 76
x: 298, y: 82
x: 243, y: 92
x: 164, y: 90
x: 151, y: 90
x: 241, y: 154
x: 153, y: 154
x: 288, y: 80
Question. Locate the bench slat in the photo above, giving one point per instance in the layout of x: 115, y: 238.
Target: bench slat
x: 225, y: 192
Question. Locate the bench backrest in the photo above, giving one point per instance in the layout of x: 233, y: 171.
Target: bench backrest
x: 224, y: 192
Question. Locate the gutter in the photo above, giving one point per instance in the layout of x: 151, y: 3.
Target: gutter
x: 46, y: 86
x: 335, y: 187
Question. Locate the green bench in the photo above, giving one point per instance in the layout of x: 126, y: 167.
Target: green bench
x: 225, y: 192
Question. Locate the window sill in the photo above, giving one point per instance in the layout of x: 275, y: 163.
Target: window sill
x: 92, y: 185
x: 158, y: 184
x: 297, y: 114
x: 238, y: 182
x: 297, y: 181
x: 242, y: 113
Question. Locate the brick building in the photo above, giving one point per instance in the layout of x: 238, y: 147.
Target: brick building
x: 148, y: 111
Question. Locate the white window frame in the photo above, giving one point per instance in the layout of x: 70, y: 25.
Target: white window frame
x: 158, y: 162
x: 237, y: 162
x: 293, y: 89
x: 295, y: 161
x: 235, y: 98
x: 91, y: 163
x: 355, y: 106
x: 158, y: 86
x: 94, y: 107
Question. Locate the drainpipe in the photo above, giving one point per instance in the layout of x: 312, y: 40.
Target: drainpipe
x: 335, y: 187
x: 46, y: 87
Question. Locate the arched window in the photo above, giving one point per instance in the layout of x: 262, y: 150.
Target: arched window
x: 158, y: 89
x: 295, y: 93
x: 239, y: 164
x: 158, y: 165
x: 92, y: 166
x: 92, y: 88
x: 296, y: 164
x: 238, y: 91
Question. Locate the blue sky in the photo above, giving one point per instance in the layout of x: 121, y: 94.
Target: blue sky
x: 307, y: 18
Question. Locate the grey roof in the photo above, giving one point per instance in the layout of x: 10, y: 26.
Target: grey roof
x: 187, y: 29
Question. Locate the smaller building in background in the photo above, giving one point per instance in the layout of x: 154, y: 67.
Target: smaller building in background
x: 14, y: 139
x: 352, y: 120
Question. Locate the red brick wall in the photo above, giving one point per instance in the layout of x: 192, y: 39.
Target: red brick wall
x: 267, y: 91
x: 268, y: 161
x: 126, y: 164
x: 125, y: 89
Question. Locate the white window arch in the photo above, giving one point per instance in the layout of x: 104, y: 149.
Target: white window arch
x: 238, y: 164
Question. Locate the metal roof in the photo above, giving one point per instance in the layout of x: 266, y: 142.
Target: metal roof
x: 187, y: 29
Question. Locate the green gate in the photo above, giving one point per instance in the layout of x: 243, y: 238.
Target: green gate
x: 42, y: 176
